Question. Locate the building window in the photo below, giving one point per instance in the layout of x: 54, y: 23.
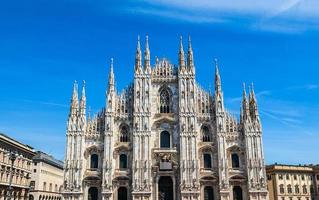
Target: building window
x: 50, y: 187
x: 34, y: 170
x: 124, y: 137
x: 32, y: 185
x: 237, y: 193
x: 282, y: 198
x: 304, y: 189
x: 123, y: 161
x: 56, y: 188
x: 165, y: 139
x: 44, y: 186
x: 164, y: 101
x: 311, y: 189
x: 317, y: 177
x: 295, y: 177
x: 289, y: 189
x: 302, y: 177
x: 297, y: 189
x: 94, y: 161
x: 208, y: 193
x: 207, y: 161
x: 205, y: 134
x: 268, y: 177
x: 281, y: 189
x: 235, y: 160
x: 287, y: 177
x: 280, y: 176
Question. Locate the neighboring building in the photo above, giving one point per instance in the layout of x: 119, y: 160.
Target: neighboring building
x: 315, y: 185
x: 21, y: 156
x: 47, y: 177
x: 292, y: 182
x: 164, y: 138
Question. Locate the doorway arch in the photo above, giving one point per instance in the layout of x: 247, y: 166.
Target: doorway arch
x: 208, y: 193
x: 165, y: 188
x: 122, y: 193
x: 93, y: 193
x: 237, y: 193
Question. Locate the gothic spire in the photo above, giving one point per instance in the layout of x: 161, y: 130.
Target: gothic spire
x: 111, y: 78
x: 190, y: 57
x: 138, y: 55
x: 253, y: 102
x: 181, y: 55
x: 245, y: 107
x: 74, y: 100
x: 217, y: 78
x: 147, y: 56
x: 83, y: 100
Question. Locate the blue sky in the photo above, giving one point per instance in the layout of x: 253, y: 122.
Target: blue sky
x: 46, y: 45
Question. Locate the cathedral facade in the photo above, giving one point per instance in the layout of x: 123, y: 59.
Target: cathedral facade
x: 164, y: 138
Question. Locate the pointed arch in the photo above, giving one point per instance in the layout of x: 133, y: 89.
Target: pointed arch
x: 164, y: 100
x: 206, y: 136
x: 124, y: 133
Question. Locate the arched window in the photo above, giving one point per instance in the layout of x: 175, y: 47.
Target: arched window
x: 237, y: 193
x: 208, y: 193
x: 93, y: 193
x: 235, y: 160
x: 297, y: 189
x: 124, y: 137
x: 205, y: 134
x: 165, y: 139
x: 123, y: 161
x: 304, y: 189
x: 122, y: 193
x: 44, y: 186
x: 164, y: 101
x: 281, y: 189
x: 207, y: 161
x: 94, y: 161
x: 289, y: 189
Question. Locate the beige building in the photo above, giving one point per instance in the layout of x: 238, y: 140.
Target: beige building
x: 47, y: 177
x: 15, y: 161
x: 291, y: 182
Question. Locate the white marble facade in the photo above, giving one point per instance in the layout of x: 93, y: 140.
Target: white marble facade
x: 164, y: 138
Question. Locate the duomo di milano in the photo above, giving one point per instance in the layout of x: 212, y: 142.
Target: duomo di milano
x: 164, y: 138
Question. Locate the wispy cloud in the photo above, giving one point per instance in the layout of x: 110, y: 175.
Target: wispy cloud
x: 47, y: 103
x: 289, y: 16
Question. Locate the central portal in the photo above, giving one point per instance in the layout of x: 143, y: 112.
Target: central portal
x: 165, y: 188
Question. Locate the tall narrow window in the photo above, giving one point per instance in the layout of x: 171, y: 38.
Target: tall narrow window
x: 124, y: 134
x: 164, y: 101
x: 123, y: 161
x: 237, y: 193
x: 94, y: 161
x: 165, y: 139
x: 205, y: 134
x: 281, y: 189
x: 208, y: 193
x: 235, y: 160
x: 289, y: 189
x: 207, y: 161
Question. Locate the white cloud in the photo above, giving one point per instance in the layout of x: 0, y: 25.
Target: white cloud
x: 289, y: 16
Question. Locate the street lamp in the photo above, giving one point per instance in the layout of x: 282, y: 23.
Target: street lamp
x: 12, y: 156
